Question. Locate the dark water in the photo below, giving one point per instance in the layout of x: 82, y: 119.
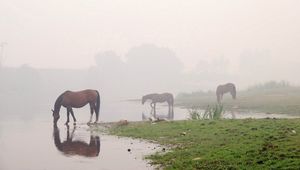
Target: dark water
x: 35, y: 144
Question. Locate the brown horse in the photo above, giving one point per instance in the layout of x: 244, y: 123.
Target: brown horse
x: 226, y: 88
x: 160, y: 98
x: 70, y: 147
x: 70, y: 100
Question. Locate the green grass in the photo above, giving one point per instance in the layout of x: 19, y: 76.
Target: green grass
x: 277, y: 100
x: 222, y: 144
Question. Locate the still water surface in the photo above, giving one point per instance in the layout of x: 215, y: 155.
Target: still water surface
x: 31, y: 146
x: 35, y: 144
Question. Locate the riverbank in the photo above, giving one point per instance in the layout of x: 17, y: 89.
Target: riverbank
x: 285, y: 100
x: 221, y: 144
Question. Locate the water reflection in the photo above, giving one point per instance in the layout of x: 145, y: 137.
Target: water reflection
x: 71, y: 147
x: 153, y: 116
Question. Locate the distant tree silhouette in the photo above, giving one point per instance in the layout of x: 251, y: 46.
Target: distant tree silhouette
x: 154, y: 68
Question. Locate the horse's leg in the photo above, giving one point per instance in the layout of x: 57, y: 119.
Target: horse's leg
x: 171, y: 112
x: 92, y: 111
x: 152, y: 105
x: 68, y: 133
x: 72, y: 113
x: 232, y: 94
x: 92, y: 141
x: 97, y: 114
x: 154, y: 110
x: 171, y: 108
x: 151, y: 111
x: 73, y: 131
x: 220, y: 98
x: 68, y: 115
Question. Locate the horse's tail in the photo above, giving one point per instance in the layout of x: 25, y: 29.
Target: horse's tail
x: 97, y: 105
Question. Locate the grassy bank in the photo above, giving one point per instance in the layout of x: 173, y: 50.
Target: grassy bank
x: 222, y: 144
x: 277, y: 100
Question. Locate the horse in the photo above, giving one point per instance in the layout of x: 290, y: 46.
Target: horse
x: 70, y: 99
x: 225, y: 88
x: 72, y: 147
x: 160, y: 98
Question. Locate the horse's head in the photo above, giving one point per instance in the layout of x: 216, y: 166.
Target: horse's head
x: 233, y: 93
x: 144, y: 99
x: 55, y: 116
x: 234, y: 96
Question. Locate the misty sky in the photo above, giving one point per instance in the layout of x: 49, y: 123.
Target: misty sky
x: 69, y: 33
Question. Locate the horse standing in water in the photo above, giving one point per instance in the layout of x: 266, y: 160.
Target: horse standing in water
x: 160, y: 98
x: 226, y: 88
x: 76, y: 147
x: 70, y: 100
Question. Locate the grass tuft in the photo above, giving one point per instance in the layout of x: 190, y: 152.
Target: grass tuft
x: 215, y: 112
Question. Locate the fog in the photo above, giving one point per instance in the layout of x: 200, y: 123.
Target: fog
x: 126, y: 49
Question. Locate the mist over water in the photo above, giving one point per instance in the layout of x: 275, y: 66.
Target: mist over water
x: 146, y: 69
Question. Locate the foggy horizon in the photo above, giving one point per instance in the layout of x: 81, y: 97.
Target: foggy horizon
x: 47, y: 35
x: 153, y: 46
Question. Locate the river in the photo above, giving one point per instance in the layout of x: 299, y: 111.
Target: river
x: 35, y: 144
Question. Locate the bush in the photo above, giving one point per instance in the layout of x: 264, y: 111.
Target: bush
x: 270, y: 85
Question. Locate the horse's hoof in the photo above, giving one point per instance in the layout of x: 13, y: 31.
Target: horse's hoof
x: 74, y: 123
x: 66, y: 123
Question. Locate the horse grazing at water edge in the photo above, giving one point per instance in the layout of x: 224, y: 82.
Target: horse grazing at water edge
x: 226, y: 88
x: 70, y: 99
x: 160, y: 98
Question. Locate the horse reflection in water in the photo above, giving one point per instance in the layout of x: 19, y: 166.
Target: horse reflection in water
x: 72, y: 147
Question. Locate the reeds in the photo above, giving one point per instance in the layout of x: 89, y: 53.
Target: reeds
x: 215, y: 112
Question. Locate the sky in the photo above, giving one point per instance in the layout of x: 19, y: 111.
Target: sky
x: 70, y: 33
